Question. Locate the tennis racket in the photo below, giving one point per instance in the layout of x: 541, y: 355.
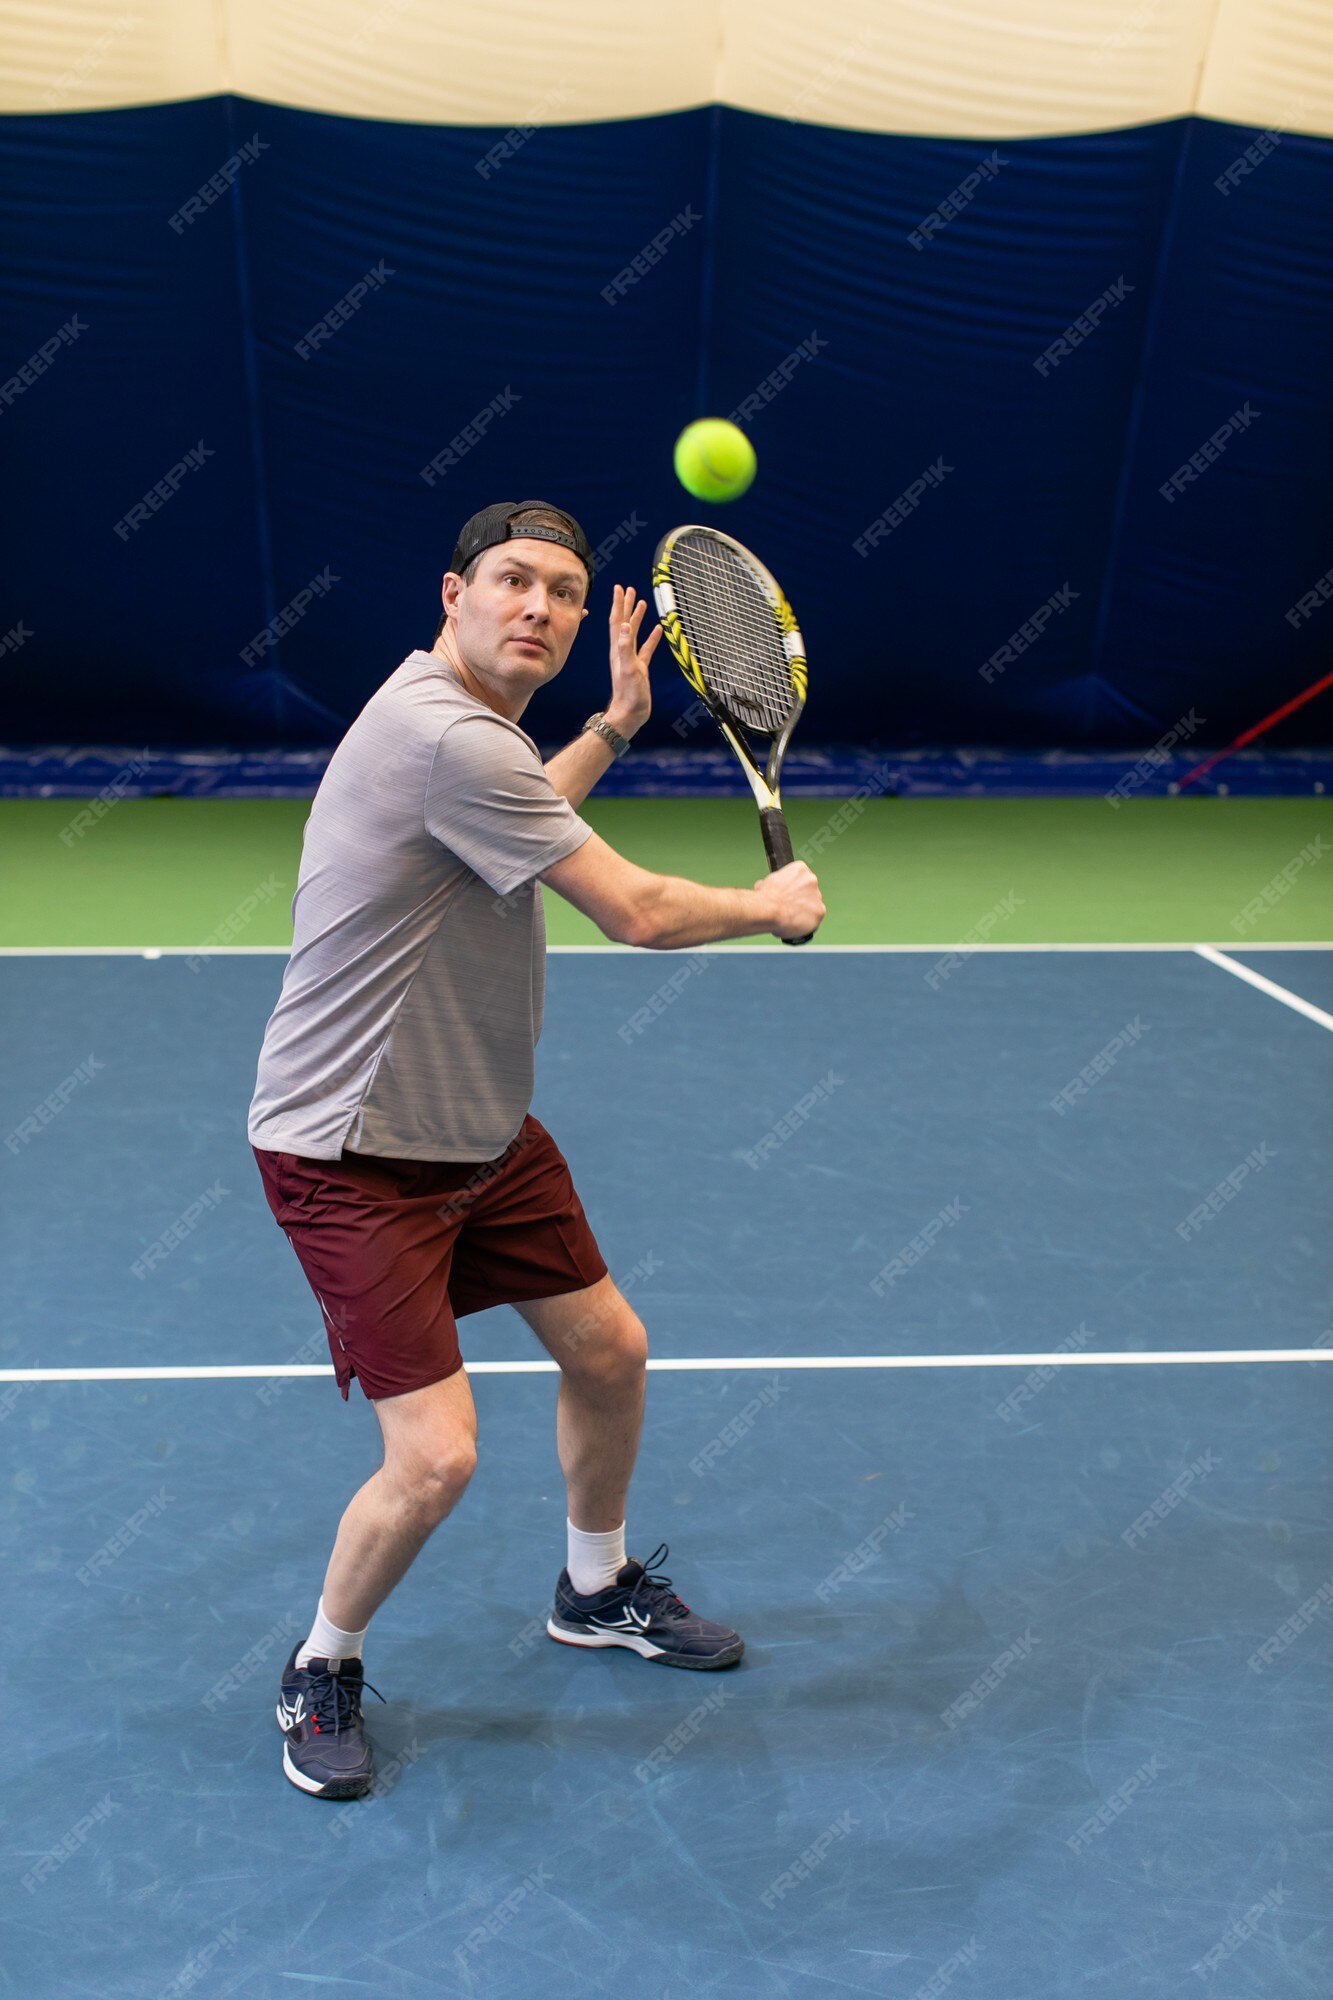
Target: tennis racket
x: 736, y: 640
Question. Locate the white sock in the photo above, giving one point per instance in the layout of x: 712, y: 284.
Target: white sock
x: 329, y: 1642
x: 595, y: 1559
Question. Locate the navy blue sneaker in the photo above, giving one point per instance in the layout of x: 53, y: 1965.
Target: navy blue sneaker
x: 640, y: 1610
x: 319, y: 1713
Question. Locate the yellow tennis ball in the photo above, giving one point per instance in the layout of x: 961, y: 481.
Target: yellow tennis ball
x: 714, y: 460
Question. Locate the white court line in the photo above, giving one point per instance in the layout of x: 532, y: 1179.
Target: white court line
x: 734, y: 950
x: 686, y: 1364
x: 1268, y: 986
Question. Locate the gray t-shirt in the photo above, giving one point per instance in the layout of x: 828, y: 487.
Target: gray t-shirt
x: 412, y: 1000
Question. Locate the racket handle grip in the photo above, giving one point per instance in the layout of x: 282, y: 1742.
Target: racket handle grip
x: 777, y: 846
x: 777, y: 839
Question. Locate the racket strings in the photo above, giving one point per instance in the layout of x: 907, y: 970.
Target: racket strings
x: 733, y: 632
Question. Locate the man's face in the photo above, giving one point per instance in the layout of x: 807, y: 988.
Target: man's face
x: 515, y: 621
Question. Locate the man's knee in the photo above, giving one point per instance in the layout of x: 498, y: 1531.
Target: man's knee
x: 610, y: 1354
x: 632, y: 1345
x: 434, y: 1472
x: 448, y: 1470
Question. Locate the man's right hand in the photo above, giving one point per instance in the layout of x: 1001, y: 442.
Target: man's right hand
x: 793, y: 894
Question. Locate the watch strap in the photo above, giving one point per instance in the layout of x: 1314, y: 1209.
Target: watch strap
x: 610, y: 735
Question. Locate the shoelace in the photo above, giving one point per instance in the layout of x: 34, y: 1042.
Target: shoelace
x: 336, y: 1700
x: 670, y: 1605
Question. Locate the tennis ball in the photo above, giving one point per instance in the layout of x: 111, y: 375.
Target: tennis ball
x: 714, y: 460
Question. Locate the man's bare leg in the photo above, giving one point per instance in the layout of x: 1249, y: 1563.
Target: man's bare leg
x: 602, y: 1351
x: 430, y: 1453
x: 601, y: 1348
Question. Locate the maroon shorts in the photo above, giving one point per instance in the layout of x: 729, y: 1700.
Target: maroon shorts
x: 397, y: 1250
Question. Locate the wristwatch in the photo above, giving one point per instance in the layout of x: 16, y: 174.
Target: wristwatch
x: 612, y: 737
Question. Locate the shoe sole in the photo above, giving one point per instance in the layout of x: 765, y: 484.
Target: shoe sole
x: 569, y: 1635
x: 336, y: 1788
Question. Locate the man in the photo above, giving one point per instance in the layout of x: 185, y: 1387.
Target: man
x: 390, y: 1117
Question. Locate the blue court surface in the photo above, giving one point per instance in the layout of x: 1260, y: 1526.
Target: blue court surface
x: 1035, y: 1701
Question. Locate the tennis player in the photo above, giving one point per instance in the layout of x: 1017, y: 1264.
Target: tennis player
x: 390, y: 1117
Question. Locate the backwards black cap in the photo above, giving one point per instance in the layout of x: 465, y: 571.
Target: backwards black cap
x: 496, y: 524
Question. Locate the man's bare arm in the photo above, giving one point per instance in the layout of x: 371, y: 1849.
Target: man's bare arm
x: 574, y: 770
x: 632, y: 905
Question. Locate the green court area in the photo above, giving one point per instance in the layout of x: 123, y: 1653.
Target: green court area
x: 194, y: 872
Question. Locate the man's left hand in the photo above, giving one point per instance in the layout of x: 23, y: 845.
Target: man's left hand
x: 631, y: 700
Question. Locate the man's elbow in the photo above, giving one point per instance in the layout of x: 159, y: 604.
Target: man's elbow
x: 633, y: 926
x: 627, y: 903
x: 638, y: 921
